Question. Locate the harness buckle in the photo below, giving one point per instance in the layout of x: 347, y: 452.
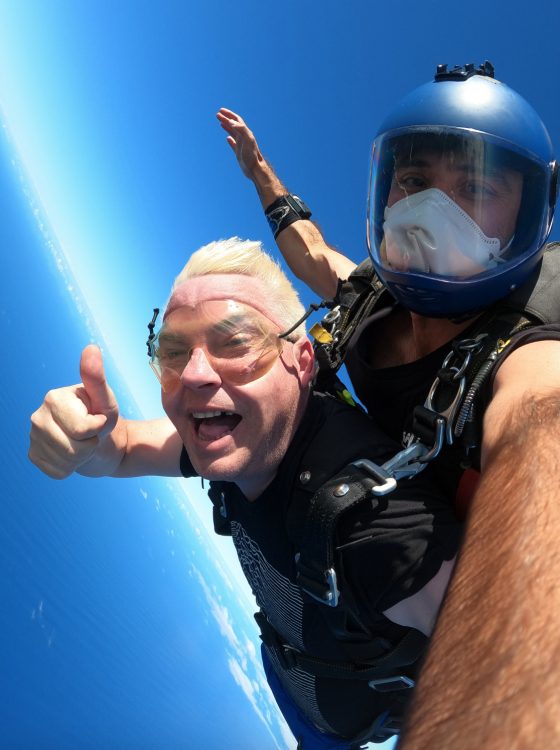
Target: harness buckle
x: 325, y: 590
x: 403, y: 463
x: 286, y: 654
x: 388, y: 725
x: 385, y: 481
x: 388, y: 684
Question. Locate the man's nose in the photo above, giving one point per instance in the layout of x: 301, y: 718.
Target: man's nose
x: 446, y: 185
x: 199, y: 370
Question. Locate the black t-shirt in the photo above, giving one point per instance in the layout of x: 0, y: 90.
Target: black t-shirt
x: 406, y: 538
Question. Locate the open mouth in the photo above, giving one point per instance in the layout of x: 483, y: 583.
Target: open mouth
x: 213, y: 425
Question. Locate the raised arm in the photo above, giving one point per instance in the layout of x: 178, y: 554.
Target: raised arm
x: 491, y: 676
x: 303, y: 246
x: 78, y: 429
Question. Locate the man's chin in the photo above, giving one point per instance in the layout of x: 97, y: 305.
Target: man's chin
x: 222, y: 469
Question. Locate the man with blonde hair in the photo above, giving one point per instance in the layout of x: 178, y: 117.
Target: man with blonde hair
x: 246, y: 257
x: 348, y: 570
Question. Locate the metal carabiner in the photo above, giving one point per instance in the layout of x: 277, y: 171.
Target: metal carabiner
x: 387, y: 483
x: 450, y: 413
x: 408, y: 462
x: 462, y: 351
x: 333, y: 316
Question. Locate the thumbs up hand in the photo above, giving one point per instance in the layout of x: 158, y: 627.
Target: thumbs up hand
x: 99, y: 398
x: 70, y: 430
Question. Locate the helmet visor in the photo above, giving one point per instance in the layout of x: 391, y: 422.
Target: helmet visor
x: 453, y: 204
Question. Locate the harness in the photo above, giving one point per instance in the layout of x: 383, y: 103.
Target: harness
x: 328, y: 484
x: 454, y: 408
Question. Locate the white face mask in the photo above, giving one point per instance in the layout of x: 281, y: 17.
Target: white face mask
x: 429, y: 232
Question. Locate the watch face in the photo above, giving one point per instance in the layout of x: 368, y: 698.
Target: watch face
x: 301, y: 207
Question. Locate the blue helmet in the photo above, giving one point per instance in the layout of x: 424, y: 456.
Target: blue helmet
x: 463, y: 185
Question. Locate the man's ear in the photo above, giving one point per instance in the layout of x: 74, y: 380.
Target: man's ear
x: 304, y: 359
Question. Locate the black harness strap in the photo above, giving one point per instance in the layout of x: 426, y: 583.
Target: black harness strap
x: 355, y: 299
x: 313, y: 526
x: 456, y: 397
x: 387, y: 669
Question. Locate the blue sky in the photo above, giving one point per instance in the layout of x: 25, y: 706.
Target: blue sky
x: 111, y: 110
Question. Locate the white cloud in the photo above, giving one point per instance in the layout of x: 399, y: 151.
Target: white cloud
x: 242, y: 659
x: 220, y: 613
x: 243, y: 681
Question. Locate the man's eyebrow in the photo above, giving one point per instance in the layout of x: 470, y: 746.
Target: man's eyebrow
x: 169, y: 336
x: 225, y: 325
x: 232, y: 323
x: 492, y: 171
x: 465, y: 166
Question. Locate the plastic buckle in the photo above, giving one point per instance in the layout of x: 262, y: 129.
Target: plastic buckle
x: 287, y: 656
x: 391, y: 727
x: 388, y: 684
x: 385, y: 727
x: 269, y: 636
x: 386, y: 482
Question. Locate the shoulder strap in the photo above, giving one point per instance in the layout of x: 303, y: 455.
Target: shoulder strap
x: 332, y: 477
x: 216, y: 494
x: 364, y: 292
x: 355, y: 300
x: 312, y: 525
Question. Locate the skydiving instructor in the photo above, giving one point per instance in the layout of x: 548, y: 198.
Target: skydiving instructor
x: 462, y: 299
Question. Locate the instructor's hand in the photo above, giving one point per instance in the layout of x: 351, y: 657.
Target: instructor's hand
x: 67, y: 429
x: 242, y: 142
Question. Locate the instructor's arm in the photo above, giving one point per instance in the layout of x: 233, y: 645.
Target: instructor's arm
x: 302, y: 244
x: 491, y: 676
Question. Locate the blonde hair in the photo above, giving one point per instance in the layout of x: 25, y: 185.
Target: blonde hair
x: 247, y: 257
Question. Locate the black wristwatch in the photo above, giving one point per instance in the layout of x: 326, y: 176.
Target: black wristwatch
x: 285, y: 211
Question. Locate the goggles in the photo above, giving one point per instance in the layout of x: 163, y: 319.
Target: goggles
x: 236, y: 340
